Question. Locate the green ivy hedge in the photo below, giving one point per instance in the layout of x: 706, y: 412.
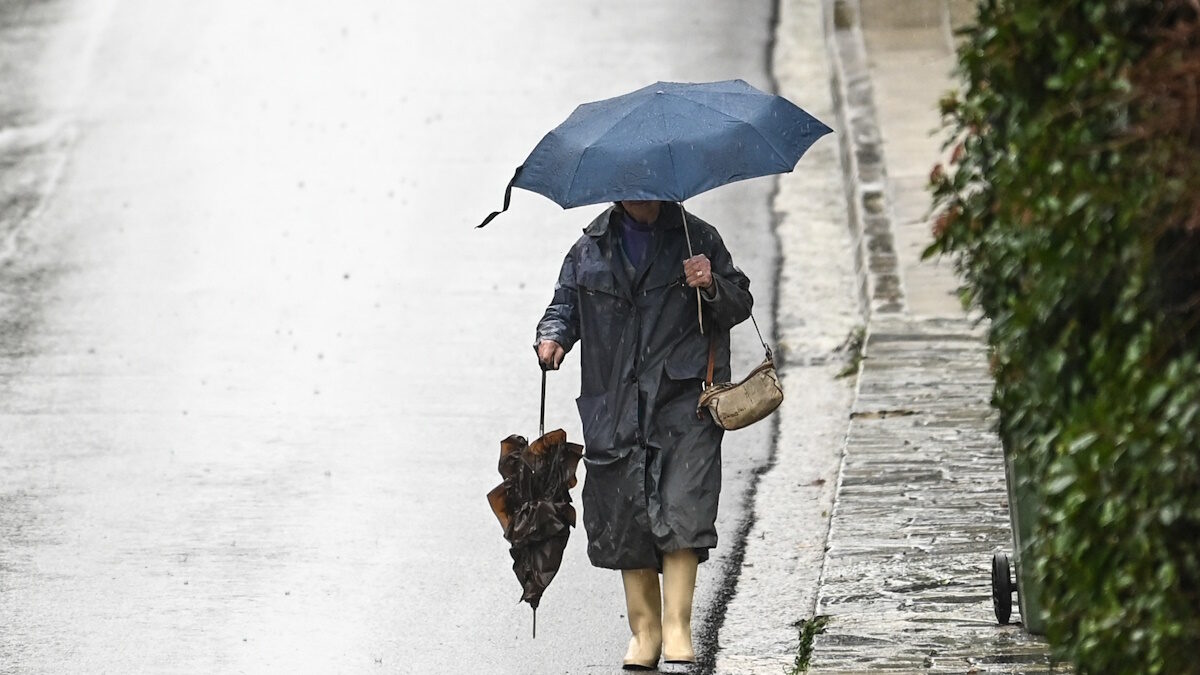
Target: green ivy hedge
x: 1071, y: 205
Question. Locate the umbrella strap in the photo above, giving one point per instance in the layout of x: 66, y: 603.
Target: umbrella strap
x: 507, y: 198
x: 699, y: 302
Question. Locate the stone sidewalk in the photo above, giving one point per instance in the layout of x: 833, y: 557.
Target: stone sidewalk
x: 921, y: 502
x: 885, y: 501
x: 921, y: 506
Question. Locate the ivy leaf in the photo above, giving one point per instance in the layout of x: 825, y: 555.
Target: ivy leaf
x: 1082, y: 442
x: 1059, y: 485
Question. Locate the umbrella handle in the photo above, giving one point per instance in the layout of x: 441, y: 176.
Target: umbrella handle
x: 542, y: 417
x: 699, y: 302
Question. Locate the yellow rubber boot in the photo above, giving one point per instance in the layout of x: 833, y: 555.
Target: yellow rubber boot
x: 644, y: 608
x: 679, y: 583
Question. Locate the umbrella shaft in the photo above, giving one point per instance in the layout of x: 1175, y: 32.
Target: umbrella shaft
x: 691, y: 253
x: 542, y: 416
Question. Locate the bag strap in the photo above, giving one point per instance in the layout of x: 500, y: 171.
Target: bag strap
x: 712, y: 360
x: 767, y: 349
x: 712, y: 345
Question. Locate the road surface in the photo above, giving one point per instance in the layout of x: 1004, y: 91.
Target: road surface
x: 255, y: 362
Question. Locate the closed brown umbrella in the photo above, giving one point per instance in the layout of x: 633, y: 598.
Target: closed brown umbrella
x: 533, y: 505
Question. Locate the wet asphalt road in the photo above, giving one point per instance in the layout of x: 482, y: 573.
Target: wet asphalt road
x: 255, y: 363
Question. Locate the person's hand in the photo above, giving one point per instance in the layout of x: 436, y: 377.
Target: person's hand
x: 550, y: 354
x: 697, y: 270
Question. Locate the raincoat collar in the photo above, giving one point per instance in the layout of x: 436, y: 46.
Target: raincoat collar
x: 649, y: 275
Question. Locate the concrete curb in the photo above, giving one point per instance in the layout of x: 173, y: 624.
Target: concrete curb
x: 880, y: 286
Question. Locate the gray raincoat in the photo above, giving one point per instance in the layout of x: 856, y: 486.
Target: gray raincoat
x: 653, y: 465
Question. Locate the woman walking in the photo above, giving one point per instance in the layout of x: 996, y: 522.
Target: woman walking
x: 627, y: 294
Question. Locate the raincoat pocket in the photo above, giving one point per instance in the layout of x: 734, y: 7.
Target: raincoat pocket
x: 594, y: 281
x: 599, y: 428
x: 600, y: 298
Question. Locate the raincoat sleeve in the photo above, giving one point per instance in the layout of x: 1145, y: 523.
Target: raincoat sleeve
x: 560, y: 323
x: 728, y: 300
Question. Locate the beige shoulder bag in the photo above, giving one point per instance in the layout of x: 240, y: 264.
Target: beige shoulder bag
x: 734, y: 406
x: 731, y: 405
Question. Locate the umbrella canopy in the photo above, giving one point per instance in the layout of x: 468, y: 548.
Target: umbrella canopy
x: 533, y: 505
x: 669, y: 141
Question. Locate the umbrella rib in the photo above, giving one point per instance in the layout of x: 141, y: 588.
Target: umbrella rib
x: 670, y: 151
x: 591, y: 145
x: 674, y: 169
x: 617, y: 121
x: 734, y: 117
x: 770, y: 145
x: 574, y: 175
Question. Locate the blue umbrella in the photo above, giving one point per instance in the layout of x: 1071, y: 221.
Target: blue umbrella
x: 669, y: 141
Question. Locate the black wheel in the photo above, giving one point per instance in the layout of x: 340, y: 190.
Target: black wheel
x: 1002, y: 588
